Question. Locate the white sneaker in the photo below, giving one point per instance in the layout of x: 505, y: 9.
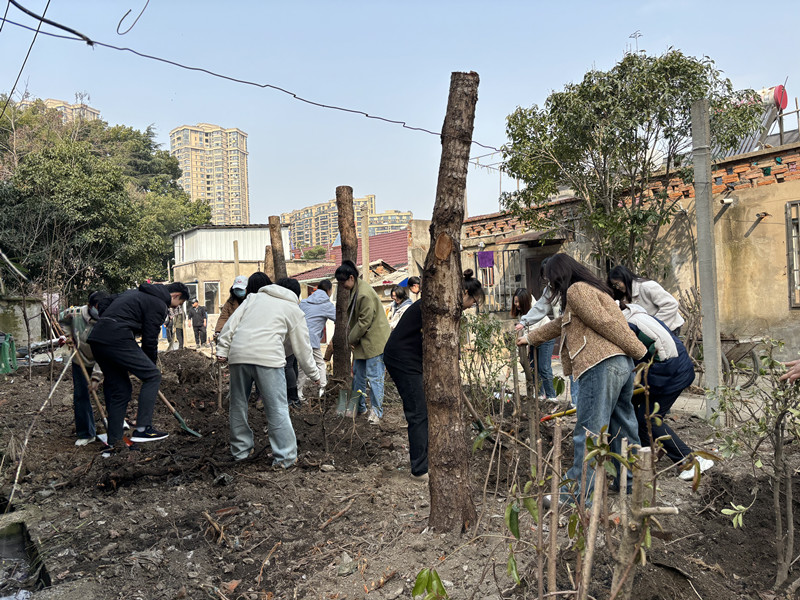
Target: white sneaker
x: 554, y: 400
x: 704, y: 463
x: 373, y: 418
x: 83, y: 441
x: 421, y: 478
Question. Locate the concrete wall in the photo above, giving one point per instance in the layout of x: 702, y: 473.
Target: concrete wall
x: 13, y: 322
x: 751, y: 263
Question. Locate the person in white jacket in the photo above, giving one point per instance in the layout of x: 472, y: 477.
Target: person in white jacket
x: 252, y: 342
x: 656, y: 301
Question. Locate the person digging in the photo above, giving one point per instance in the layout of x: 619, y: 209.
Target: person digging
x: 113, y: 341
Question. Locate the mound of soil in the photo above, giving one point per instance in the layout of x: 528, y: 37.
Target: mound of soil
x: 180, y: 519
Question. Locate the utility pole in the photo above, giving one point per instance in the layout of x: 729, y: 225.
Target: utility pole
x: 706, y: 249
x: 279, y: 262
x: 365, y: 243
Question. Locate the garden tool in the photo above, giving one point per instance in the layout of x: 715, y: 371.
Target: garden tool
x: 177, y: 415
x: 563, y: 413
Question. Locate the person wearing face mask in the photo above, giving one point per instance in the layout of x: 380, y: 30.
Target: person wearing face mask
x: 238, y: 292
x: 78, y: 322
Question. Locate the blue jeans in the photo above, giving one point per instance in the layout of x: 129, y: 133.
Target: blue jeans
x: 82, y: 404
x: 605, y: 393
x: 370, y: 371
x: 271, y: 382
x: 544, y: 360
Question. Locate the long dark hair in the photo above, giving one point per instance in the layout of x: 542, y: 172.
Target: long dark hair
x: 524, y: 297
x: 400, y: 294
x: 627, y: 277
x: 472, y: 287
x: 256, y: 281
x: 562, y: 271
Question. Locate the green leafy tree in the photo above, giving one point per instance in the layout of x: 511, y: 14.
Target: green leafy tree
x: 609, y: 136
x: 86, y: 205
x: 316, y: 252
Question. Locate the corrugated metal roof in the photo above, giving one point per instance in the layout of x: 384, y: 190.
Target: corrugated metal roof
x: 215, y: 243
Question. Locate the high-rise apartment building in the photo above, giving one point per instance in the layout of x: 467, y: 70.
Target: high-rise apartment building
x: 214, y: 165
x: 69, y: 112
x: 318, y: 225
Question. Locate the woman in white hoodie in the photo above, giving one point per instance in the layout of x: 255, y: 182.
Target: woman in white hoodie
x: 252, y: 342
x: 656, y: 301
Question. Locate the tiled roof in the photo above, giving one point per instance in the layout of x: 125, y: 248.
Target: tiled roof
x: 391, y: 248
x: 318, y: 273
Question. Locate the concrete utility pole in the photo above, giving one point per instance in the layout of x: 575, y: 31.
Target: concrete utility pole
x: 269, y: 265
x: 448, y: 449
x: 706, y: 249
x: 279, y: 262
x: 365, y: 243
x: 236, y: 258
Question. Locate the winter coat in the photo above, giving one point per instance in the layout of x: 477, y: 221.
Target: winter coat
x: 228, y: 309
x: 79, y: 323
x: 396, y: 311
x: 135, y: 312
x: 672, y: 370
x: 657, y: 302
x: 255, y: 334
x: 318, y: 309
x: 369, y: 328
x: 592, y: 329
x: 198, y: 316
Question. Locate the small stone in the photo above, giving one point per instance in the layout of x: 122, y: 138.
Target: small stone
x: 161, y: 511
x: 395, y: 593
x: 84, y: 514
x: 181, y: 593
x: 113, y: 534
x: 327, y: 468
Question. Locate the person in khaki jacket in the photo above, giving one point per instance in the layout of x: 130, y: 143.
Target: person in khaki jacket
x: 369, y: 331
x: 597, y: 348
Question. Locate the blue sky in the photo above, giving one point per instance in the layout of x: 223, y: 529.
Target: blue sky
x: 391, y: 59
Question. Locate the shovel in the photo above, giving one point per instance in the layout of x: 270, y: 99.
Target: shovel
x: 177, y: 415
x: 563, y: 413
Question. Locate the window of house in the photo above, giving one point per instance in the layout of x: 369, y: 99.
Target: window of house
x: 500, y: 280
x: 211, y: 289
x: 793, y: 251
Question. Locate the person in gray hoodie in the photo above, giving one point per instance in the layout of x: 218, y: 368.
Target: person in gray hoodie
x: 318, y: 309
x: 252, y: 343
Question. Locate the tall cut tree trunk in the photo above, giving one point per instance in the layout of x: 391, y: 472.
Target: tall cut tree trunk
x: 347, y: 230
x: 448, y: 449
x: 279, y: 262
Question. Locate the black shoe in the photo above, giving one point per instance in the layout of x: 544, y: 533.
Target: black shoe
x: 148, y: 435
x: 118, y: 448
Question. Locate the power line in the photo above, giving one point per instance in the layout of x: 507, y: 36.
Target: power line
x: 5, y: 14
x: 91, y: 42
x: 146, y: 4
x: 24, y: 62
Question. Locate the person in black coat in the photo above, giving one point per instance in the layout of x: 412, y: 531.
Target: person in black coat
x: 113, y: 340
x: 199, y: 318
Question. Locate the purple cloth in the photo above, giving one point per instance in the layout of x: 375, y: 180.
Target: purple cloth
x: 486, y: 259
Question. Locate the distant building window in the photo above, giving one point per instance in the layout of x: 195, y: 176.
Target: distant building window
x: 793, y: 254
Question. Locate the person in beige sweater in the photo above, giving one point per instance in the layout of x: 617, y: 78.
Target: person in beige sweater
x: 597, y: 348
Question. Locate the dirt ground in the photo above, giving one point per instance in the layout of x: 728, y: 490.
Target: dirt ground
x: 181, y: 520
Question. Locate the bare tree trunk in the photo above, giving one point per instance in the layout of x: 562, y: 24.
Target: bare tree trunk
x: 451, y: 500
x: 278, y: 259
x: 269, y: 265
x: 347, y: 230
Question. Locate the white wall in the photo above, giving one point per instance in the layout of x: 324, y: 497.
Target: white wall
x: 217, y: 243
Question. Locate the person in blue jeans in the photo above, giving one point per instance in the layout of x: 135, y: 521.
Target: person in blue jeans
x: 78, y: 322
x: 368, y: 332
x: 597, y: 348
x: 252, y: 342
x: 544, y: 351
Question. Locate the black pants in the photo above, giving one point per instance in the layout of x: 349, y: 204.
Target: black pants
x: 675, y: 447
x: 118, y: 362
x: 412, y: 392
x: 179, y: 337
x: 291, y: 380
x: 199, y: 334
